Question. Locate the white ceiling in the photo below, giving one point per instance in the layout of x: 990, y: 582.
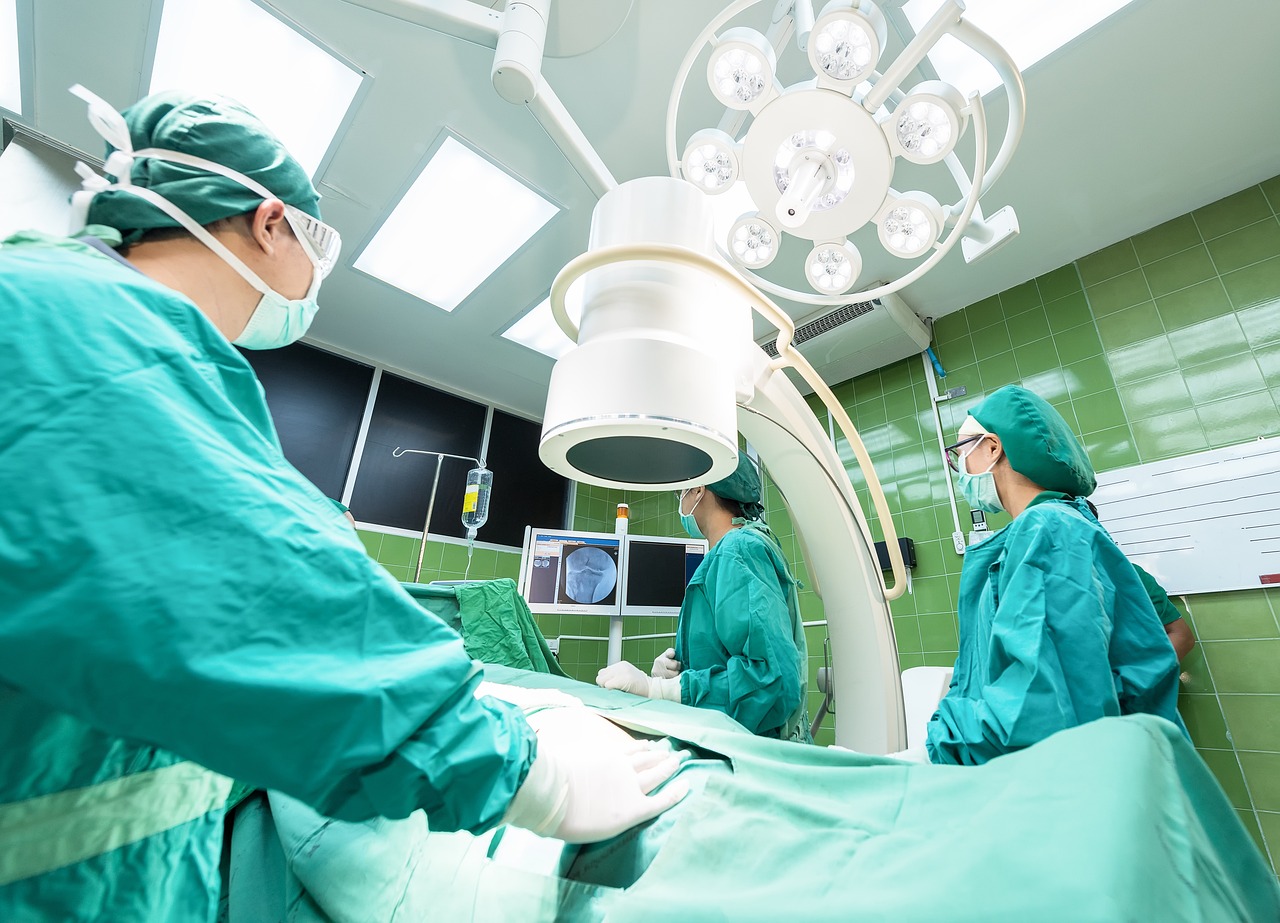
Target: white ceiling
x: 1167, y: 106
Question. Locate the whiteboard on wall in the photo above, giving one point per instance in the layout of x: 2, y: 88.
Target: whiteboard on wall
x: 1200, y: 523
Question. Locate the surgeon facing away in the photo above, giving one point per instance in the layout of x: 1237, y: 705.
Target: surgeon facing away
x: 740, y: 646
x: 1056, y: 629
x: 174, y: 595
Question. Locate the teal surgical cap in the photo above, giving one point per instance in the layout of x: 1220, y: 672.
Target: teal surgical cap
x: 1038, y: 442
x: 211, y: 127
x: 743, y: 485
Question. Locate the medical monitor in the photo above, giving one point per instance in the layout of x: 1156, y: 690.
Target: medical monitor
x: 656, y: 571
x: 571, y: 572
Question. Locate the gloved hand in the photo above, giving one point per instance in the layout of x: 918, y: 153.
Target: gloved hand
x: 591, y: 780
x: 666, y: 665
x: 629, y: 678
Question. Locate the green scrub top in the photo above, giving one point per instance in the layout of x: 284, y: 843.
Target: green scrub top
x: 741, y: 639
x: 1166, y: 611
x: 1055, y: 630
x: 172, y: 588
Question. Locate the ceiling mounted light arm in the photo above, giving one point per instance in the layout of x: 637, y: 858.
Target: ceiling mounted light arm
x: 939, y: 24
x: 1015, y: 92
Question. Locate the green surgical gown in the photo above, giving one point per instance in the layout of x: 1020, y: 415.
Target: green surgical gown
x: 171, y: 587
x: 740, y: 637
x: 1055, y: 630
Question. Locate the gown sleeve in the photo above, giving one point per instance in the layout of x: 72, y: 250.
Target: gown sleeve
x: 168, y: 577
x: 759, y: 684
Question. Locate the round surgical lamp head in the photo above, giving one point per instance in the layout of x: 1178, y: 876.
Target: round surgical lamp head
x: 926, y: 125
x: 711, y: 160
x: 910, y: 224
x: 833, y: 267
x: 753, y: 241
x: 846, y: 41
x: 741, y: 68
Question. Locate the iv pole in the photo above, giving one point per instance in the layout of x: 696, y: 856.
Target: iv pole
x: 431, y: 504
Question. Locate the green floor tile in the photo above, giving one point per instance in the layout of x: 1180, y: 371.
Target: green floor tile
x: 1268, y: 358
x: 984, y: 313
x: 998, y: 371
x: 938, y: 632
x: 1250, y: 821
x: 991, y: 341
x: 950, y: 327
x: 1209, y: 340
x: 1156, y: 396
x: 1235, y: 375
x: 1020, y: 298
x: 1099, y: 411
x: 1111, y: 448
x: 1050, y: 385
x: 1239, y: 419
x: 1088, y: 376
x: 1068, y: 312
x: 1166, y: 436
x: 1036, y: 357
x: 1078, y: 343
x: 1240, y: 614
x: 1261, y: 323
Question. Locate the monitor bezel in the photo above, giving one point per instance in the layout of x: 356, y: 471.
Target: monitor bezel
x: 526, y: 565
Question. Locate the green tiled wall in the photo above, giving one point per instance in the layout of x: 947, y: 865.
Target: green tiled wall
x: 443, y: 560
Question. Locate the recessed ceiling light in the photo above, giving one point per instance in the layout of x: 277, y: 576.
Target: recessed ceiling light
x: 538, y: 330
x: 1028, y: 31
x: 462, y: 218
x: 300, y: 90
x: 10, y: 69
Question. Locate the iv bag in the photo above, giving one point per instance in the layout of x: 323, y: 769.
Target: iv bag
x: 475, y: 499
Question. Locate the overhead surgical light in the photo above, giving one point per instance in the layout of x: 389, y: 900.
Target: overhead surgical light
x: 753, y: 242
x: 846, y: 41
x: 833, y: 267
x: 711, y: 160
x: 817, y: 157
x: 928, y: 122
x: 741, y: 68
x: 910, y: 224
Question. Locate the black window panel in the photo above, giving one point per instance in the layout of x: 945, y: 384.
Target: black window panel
x: 525, y: 491
x: 395, y: 492
x: 316, y: 400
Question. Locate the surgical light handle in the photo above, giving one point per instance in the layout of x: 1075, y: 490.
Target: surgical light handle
x: 787, y: 355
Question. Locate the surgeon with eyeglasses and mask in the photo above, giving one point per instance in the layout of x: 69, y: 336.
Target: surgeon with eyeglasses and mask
x: 1056, y: 629
x: 740, y: 646
x: 178, y: 605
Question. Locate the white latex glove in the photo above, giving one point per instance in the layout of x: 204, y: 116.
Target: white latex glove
x: 630, y: 678
x: 916, y: 754
x: 591, y: 780
x: 666, y: 665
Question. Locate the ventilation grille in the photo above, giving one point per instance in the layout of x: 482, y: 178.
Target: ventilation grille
x: 837, y: 318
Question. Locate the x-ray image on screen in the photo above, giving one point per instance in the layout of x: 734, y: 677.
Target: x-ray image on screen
x: 590, y: 574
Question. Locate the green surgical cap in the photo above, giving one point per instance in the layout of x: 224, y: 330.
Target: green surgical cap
x: 1039, y: 444
x: 214, y: 128
x: 743, y: 485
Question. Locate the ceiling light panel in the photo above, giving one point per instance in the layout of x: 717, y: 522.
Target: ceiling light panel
x: 1029, y: 31
x: 462, y: 218
x: 301, y: 90
x: 538, y: 330
x: 10, y: 70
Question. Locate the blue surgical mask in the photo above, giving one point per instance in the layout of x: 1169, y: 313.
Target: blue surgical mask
x: 690, y: 524
x: 979, y: 489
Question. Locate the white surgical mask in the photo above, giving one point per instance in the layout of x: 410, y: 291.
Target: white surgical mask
x: 979, y: 489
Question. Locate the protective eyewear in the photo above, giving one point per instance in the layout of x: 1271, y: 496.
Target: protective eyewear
x: 322, y: 242
x: 952, y: 453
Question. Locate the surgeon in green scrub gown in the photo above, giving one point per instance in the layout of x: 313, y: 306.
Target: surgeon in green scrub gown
x: 178, y: 605
x: 740, y: 646
x: 1056, y: 629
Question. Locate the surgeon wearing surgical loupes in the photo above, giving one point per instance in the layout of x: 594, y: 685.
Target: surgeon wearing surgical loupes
x: 1056, y: 629
x: 174, y: 595
x: 740, y: 646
